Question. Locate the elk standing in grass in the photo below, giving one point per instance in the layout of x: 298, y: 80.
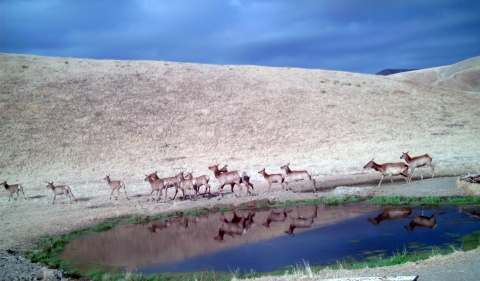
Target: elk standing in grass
x: 300, y: 222
x: 61, y: 190
x: 116, y: 185
x: 273, y: 178
x: 297, y: 176
x: 389, y: 169
x: 232, y: 178
x: 417, y: 162
x: 14, y: 188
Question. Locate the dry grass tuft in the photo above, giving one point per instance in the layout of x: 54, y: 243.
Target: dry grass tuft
x: 471, y: 189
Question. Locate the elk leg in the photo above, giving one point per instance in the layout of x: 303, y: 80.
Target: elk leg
x: 220, y: 189
x: 111, y: 193
x: 124, y: 189
x: 431, y: 168
x: 54, y: 196
x: 176, y: 191
x: 24, y: 194
x: 380, y: 181
x: 72, y: 195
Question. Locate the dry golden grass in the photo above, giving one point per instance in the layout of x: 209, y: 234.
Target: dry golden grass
x: 75, y: 120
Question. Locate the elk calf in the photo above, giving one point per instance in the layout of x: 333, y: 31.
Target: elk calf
x: 389, y: 169
x: 116, y: 185
x: 61, y: 190
x: 14, y: 188
x: 417, y: 162
x: 273, y: 178
x: 188, y: 183
x: 157, y: 185
x: 297, y: 176
x: 200, y: 181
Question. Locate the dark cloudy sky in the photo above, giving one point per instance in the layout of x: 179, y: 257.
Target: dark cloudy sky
x: 363, y: 36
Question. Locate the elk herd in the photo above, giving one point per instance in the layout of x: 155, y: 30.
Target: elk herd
x: 188, y: 183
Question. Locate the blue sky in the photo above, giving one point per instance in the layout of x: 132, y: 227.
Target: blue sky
x: 363, y: 36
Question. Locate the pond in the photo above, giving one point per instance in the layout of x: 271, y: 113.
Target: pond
x: 273, y: 239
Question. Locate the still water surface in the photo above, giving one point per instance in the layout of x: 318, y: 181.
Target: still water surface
x: 351, y: 232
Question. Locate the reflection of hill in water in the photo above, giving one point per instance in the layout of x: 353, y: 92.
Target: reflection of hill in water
x: 133, y: 246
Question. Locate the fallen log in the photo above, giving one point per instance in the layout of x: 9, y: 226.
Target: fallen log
x: 471, y: 178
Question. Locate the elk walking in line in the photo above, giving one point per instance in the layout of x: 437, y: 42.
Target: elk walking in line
x: 276, y: 217
x: 13, y: 188
x: 175, y: 182
x: 422, y: 221
x: 188, y: 183
x: 389, y: 169
x: 297, y: 176
x: 232, y: 178
x: 273, y: 178
x: 391, y: 214
x: 417, y: 162
x: 61, y: 190
x: 200, y: 181
x: 157, y: 185
x: 246, y: 180
x: 300, y: 222
x: 116, y: 185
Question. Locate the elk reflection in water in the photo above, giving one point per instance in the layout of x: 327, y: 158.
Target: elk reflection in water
x: 391, y: 214
x: 422, y: 221
x: 236, y: 226
x: 324, y: 237
x: 276, y: 217
x: 300, y: 222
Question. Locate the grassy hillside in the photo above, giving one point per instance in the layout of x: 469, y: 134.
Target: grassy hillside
x: 75, y: 120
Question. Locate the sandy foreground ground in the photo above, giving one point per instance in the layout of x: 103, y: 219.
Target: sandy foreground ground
x: 73, y: 121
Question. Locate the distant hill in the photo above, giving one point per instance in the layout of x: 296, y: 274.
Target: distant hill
x: 462, y: 76
x: 389, y: 71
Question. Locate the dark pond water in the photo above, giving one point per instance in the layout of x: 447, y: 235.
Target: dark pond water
x: 351, y: 232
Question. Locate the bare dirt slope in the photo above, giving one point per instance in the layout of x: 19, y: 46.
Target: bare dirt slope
x: 463, y: 76
x: 72, y: 121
